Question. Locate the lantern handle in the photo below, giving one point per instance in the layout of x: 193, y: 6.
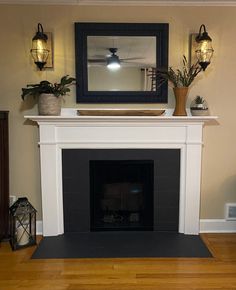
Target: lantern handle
x: 203, y: 35
x: 40, y: 27
x: 200, y: 29
x: 40, y: 34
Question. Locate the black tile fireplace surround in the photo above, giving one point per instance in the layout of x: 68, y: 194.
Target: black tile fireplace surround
x: 121, y: 189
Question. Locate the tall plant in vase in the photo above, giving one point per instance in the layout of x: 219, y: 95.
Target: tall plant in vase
x: 180, y: 80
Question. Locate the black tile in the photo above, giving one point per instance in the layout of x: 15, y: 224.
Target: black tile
x: 121, y: 245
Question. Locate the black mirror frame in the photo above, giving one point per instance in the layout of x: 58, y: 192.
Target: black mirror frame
x: 84, y: 29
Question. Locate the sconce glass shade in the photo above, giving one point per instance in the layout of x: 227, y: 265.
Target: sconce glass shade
x: 39, y: 50
x: 113, y: 62
x: 204, y: 50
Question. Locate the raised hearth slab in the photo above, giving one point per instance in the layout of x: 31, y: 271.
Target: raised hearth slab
x: 121, y: 245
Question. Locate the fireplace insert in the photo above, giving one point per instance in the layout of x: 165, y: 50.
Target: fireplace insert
x: 121, y: 195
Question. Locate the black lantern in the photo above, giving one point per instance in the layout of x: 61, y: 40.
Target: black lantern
x: 22, y: 224
x: 39, y: 49
x: 204, y: 49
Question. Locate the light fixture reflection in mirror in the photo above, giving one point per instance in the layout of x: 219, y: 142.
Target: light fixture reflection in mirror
x: 113, y: 61
x: 113, y: 65
x: 129, y: 59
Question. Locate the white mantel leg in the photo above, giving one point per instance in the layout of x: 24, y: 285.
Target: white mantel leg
x: 193, y: 180
x: 51, y: 185
x: 49, y: 190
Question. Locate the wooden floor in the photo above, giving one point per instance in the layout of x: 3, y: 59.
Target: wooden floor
x: 18, y: 271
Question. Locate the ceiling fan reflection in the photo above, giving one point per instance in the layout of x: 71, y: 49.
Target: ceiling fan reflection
x: 112, y: 57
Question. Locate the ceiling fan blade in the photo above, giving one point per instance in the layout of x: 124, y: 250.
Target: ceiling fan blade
x: 97, y: 60
x: 97, y: 56
x: 132, y: 58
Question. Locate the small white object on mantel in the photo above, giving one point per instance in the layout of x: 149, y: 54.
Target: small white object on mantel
x: 70, y: 131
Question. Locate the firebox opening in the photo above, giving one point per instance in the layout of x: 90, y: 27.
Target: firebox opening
x: 121, y: 195
x: 92, y: 177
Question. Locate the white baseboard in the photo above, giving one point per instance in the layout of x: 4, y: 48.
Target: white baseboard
x: 217, y: 226
x: 206, y: 226
x: 39, y: 227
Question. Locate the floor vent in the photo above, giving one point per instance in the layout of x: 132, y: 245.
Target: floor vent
x: 230, y: 211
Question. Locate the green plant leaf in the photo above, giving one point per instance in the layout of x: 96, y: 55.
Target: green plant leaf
x: 58, y: 89
x: 181, y: 77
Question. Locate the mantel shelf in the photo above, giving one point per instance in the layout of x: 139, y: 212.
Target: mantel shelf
x: 122, y: 119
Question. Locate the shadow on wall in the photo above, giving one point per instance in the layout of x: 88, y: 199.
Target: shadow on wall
x: 28, y: 104
x: 228, y: 189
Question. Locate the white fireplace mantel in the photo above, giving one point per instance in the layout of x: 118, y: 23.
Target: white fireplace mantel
x: 101, y: 132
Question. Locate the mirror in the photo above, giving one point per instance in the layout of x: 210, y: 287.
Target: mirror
x: 137, y: 60
x: 116, y: 63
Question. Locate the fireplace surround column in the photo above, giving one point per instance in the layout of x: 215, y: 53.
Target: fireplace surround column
x: 110, y: 132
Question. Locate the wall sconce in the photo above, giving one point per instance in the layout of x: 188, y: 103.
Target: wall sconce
x: 41, y: 50
x: 204, y: 50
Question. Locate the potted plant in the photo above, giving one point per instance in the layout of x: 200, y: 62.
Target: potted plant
x: 49, y: 94
x: 199, y: 107
x: 180, y: 80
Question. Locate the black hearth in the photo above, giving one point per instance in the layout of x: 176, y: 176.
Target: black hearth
x: 121, y: 189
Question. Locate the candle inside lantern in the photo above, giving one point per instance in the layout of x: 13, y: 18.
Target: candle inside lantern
x: 22, y: 235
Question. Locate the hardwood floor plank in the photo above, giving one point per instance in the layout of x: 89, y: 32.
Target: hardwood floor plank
x: 18, y: 271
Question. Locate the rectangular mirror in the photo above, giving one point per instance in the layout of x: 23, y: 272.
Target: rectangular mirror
x: 116, y: 63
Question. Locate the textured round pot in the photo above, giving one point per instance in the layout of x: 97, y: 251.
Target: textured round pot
x: 198, y: 112
x: 49, y: 105
x: 180, y: 101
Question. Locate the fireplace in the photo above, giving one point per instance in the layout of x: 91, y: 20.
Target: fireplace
x: 71, y: 132
x: 121, y: 195
x: 121, y: 189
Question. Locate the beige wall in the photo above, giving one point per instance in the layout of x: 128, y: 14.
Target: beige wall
x: 217, y: 85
